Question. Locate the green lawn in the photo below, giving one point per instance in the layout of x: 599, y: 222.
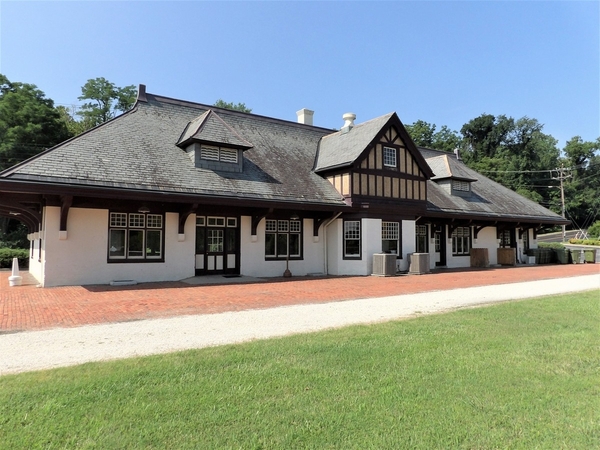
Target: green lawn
x: 515, y: 375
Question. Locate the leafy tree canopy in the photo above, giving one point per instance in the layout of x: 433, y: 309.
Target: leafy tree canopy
x: 234, y: 106
x: 29, y: 123
x: 106, y: 100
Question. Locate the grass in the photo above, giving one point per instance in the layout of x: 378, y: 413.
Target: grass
x: 516, y: 375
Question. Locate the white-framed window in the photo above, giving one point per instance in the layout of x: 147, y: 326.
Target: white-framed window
x: 200, y: 221
x: 421, y: 239
x: 459, y: 185
x: 215, y: 221
x: 391, y: 238
x: 505, y: 238
x: 389, y: 157
x: 283, y: 238
x: 461, y: 241
x: 135, y: 237
x: 352, y: 239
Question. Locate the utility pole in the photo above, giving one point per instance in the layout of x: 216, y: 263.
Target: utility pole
x: 561, y: 177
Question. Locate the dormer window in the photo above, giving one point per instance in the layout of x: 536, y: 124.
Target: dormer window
x: 389, y: 157
x: 460, y: 185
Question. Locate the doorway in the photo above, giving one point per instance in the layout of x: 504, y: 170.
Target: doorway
x: 217, y: 245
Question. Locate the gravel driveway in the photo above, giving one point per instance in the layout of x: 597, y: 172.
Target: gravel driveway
x: 35, y: 350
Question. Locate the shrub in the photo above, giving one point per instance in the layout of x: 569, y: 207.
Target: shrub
x: 7, y: 255
x: 552, y: 245
x: 585, y: 241
x: 594, y: 231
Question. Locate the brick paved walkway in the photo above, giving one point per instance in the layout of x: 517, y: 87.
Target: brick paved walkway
x: 29, y: 308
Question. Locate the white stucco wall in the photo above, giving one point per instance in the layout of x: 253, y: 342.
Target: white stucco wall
x: 486, y: 238
x: 409, y: 244
x: 82, y: 257
x: 254, y: 264
x: 35, y: 264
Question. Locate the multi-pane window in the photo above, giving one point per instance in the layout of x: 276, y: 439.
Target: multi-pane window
x: 389, y: 157
x: 505, y: 238
x: 438, y: 241
x: 390, y: 238
x: 135, y: 236
x: 283, y: 238
x: 526, y: 240
x: 352, y: 239
x: 421, y: 239
x: 461, y: 241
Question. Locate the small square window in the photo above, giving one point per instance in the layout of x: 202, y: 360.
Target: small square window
x: 271, y: 225
x: 295, y: 226
x: 200, y: 221
x: 137, y: 220
x: 283, y: 226
x: 154, y: 221
x: 232, y: 222
x: 118, y: 219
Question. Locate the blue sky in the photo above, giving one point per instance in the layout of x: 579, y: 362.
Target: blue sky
x: 444, y: 62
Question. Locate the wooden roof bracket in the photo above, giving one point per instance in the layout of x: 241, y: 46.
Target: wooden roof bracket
x: 183, y: 216
x: 318, y: 222
x: 477, y: 229
x: 257, y: 217
x: 65, y: 204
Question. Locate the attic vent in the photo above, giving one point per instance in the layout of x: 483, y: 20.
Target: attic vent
x: 349, y: 119
x: 229, y: 155
x: 459, y: 185
x: 210, y: 153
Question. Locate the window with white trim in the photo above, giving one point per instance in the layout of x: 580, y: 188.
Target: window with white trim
x: 389, y: 157
x: 421, y: 239
x: 135, y: 237
x: 352, y: 239
x: 281, y: 237
x: 391, y: 238
x: 461, y: 241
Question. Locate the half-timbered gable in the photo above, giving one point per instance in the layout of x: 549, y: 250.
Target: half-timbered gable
x: 387, y: 168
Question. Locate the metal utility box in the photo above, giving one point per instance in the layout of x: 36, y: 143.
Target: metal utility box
x: 384, y: 264
x: 419, y: 263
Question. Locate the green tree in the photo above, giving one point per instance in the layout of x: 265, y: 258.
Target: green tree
x: 234, y: 106
x: 594, y: 230
x: 582, y: 181
x: 106, y: 100
x: 423, y: 134
x: 29, y: 123
x: 75, y: 127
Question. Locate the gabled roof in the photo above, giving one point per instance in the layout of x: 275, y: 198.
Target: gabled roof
x: 488, y: 200
x: 138, y: 151
x: 342, y: 149
x: 447, y: 166
x: 208, y: 127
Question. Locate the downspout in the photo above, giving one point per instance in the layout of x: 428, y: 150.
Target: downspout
x: 325, y: 253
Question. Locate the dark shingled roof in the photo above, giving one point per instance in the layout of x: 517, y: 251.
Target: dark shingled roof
x: 341, y: 149
x: 209, y: 127
x: 447, y: 166
x: 488, y: 199
x: 138, y: 150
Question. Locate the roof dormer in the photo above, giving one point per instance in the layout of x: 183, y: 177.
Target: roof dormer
x: 213, y: 144
x: 450, y: 175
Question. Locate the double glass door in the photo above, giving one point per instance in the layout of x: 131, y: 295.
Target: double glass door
x: 217, y: 245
